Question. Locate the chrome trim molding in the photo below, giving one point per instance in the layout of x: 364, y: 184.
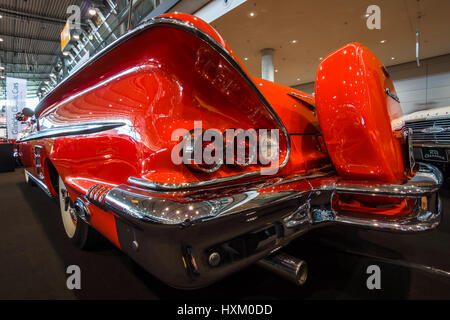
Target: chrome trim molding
x: 181, y: 187
x: 188, y: 27
x: 431, y: 144
x: 40, y: 183
x: 392, y: 95
x: 428, y: 180
x: 71, y: 130
x: 422, y: 220
x: 141, y: 205
x: 159, y: 186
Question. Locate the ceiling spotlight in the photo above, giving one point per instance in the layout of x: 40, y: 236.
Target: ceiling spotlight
x: 1, y: 16
x: 293, y: 41
x: 298, y: 79
x: 392, y: 58
x: 383, y: 41
x: 92, y: 11
x: 245, y: 58
x: 252, y: 14
x: 1, y: 39
x: 276, y: 70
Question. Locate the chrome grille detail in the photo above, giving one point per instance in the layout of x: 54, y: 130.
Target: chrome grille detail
x: 430, y: 131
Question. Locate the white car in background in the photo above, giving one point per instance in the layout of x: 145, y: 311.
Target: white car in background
x: 431, y: 135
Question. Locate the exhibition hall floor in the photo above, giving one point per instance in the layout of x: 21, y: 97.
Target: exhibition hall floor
x: 34, y: 255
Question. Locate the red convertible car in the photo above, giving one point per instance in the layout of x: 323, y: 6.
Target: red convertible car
x: 144, y: 144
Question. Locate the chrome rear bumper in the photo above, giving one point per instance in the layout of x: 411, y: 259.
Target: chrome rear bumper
x: 178, y: 232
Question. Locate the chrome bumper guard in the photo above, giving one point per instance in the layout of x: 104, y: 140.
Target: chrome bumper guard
x: 193, y: 229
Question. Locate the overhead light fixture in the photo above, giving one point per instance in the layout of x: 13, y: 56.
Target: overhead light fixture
x: 76, y: 36
x: 293, y: 41
x: 276, y: 70
x: 392, y: 58
x: 1, y: 16
x: 321, y: 58
x: 252, y: 14
x: 92, y: 11
x: 65, y: 53
x: 298, y: 79
x: 245, y: 58
x: 1, y: 39
x: 383, y: 41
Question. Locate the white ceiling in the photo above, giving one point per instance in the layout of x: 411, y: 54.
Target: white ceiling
x: 321, y: 26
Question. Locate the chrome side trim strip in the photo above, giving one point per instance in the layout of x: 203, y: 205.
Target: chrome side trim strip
x: 427, y: 180
x: 41, y: 184
x: 392, y: 95
x: 71, y: 130
x: 140, y: 207
x: 143, y: 205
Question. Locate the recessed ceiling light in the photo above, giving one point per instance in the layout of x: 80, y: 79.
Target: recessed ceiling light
x: 392, y: 58
x: 293, y: 41
x: 321, y: 58
x: 276, y: 70
x: 383, y: 41
x: 252, y: 14
x: 92, y: 11
x: 245, y: 58
x: 298, y: 79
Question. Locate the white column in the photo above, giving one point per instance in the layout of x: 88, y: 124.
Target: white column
x: 267, y: 70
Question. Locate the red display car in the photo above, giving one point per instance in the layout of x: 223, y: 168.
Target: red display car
x: 118, y: 140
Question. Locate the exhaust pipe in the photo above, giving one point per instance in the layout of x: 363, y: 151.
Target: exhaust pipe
x: 289, y: 267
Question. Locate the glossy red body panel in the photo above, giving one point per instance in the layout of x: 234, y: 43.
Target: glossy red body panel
x: 359, y: 121
x: 163, y: 79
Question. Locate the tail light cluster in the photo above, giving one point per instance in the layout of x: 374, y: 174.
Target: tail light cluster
x: 207, y: 150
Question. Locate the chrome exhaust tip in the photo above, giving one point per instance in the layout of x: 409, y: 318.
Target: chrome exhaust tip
x: 289, y: 267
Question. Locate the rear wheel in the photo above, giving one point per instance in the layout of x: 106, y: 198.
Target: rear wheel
x: 78, y: 231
